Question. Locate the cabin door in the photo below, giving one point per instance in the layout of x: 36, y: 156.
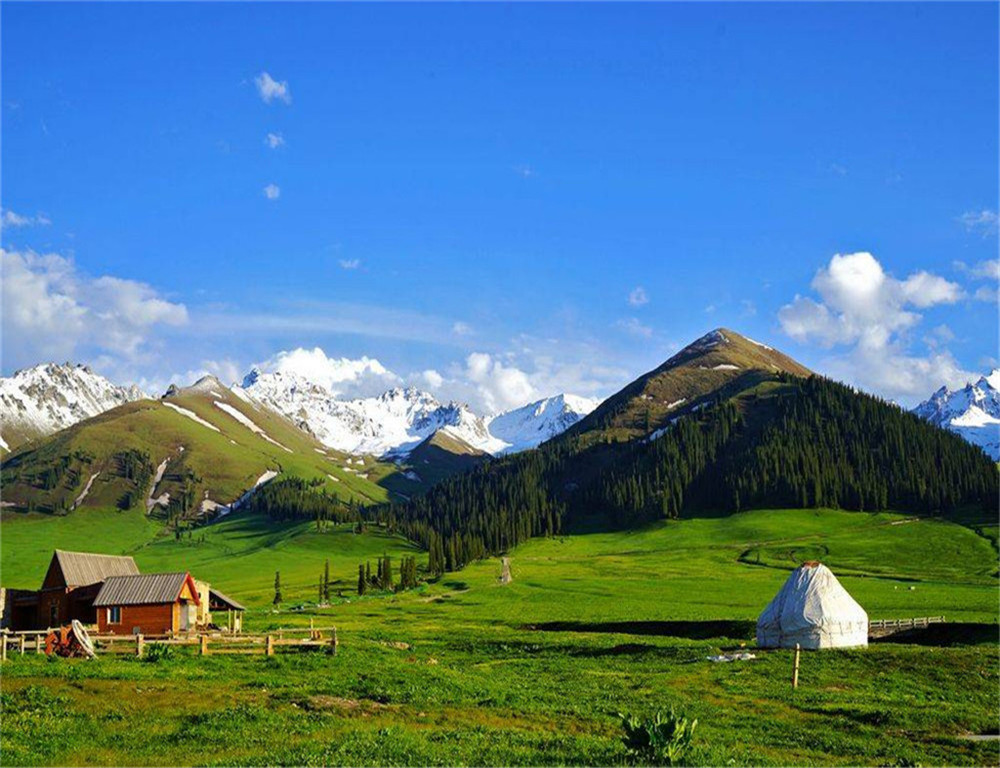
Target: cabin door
x: 185, y: 618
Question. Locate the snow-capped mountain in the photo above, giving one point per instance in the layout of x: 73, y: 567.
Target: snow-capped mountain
x: 397, y: 420
x: 972, y: 412
x: 393, y: 422
x: 532, y: 424
x: 41, y: 400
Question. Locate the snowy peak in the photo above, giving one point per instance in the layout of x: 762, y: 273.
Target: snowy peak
x: 397, y: 419
x: 972, y: 412
x: 392, y: 422
x: 38, y: 401
x: 533, y: 424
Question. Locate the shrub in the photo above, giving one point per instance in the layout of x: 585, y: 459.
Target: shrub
x: 156, y: 652
x: 660, y: 740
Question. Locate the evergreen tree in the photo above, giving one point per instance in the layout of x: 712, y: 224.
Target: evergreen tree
x: 386, y: 573
x: 277, y: 588
x: 362, y: 580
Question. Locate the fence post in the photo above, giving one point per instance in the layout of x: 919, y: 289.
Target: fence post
x: 204, y: 646
x: 21, y: 644
x: 3, y: 646
x: 269, y: 647
x: 139, y: 645
x: 795, y: 667
x: 334, y: 642
x: 39, y: 648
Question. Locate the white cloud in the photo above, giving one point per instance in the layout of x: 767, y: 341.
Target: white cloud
x: 344, y: 377
x: 500, y: 387
x: 535, y: 368
x: 431, y: 379
x: 461, y: 329
x: 984, y: 270
x: 52, y: 310
x: 633, y: 327
x: 638, y: 296
x: 350, y: 263
x: 938, y: 336
x: 11, y: 219
x: 922, y: 289
x: 986, y: 293
x: 272, y: 191
x: 274, y: 140
x: 984, y: 222
x: 271, y: 89
x: 864, y: 308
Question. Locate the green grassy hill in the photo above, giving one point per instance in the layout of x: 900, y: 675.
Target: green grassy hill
x: 442, y: 455
x: 215, y: 446
x: 721, y: 364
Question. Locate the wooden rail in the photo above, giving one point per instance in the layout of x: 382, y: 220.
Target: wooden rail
x: 886, y: 627
x: 905, y: 623
x: 208, y: 644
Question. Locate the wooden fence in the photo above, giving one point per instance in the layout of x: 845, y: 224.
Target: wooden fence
x: 884, y: 627
x: 207, y: 643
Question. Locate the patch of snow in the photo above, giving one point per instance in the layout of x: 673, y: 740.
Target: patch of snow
x: 336, y: 480
x: 86, y: 490
x: 675, y: 403
x: 150, y: 501
x: 657, y: 433
x: 725, y: 367
x: 221, y: 510
x: 247, y: 422
x: 191, y: 415
x: 763, y: 346
x: 411, y: 475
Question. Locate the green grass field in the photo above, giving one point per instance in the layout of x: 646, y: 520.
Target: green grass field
x: 533, y: 672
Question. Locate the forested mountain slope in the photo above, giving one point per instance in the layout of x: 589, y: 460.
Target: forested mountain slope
x: 764, y: 437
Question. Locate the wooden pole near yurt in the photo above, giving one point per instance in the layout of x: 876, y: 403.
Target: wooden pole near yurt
x: 795, y: 667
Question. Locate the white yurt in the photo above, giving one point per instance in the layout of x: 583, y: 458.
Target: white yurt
x: 813, y: 610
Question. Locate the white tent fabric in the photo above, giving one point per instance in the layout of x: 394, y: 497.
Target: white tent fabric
x: 813, y: 610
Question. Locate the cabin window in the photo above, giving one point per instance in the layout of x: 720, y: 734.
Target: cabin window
x: 115, y: 615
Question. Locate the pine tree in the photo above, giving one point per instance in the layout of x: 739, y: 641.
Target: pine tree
x: 387, y: 573
x: 362, y: 581
x: 277, y: 588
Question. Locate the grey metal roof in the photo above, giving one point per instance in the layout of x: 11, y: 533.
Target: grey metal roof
x: 215, y: 594
x: 141, y: 589
x: 82, y: 568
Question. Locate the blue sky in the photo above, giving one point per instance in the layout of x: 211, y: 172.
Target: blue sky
x: 564, y: 194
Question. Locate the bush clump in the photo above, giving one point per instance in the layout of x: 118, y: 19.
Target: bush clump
x: 663, y: 739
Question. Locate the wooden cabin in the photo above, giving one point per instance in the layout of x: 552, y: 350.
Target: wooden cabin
x: 148, y: 604
x: 71, y: 582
